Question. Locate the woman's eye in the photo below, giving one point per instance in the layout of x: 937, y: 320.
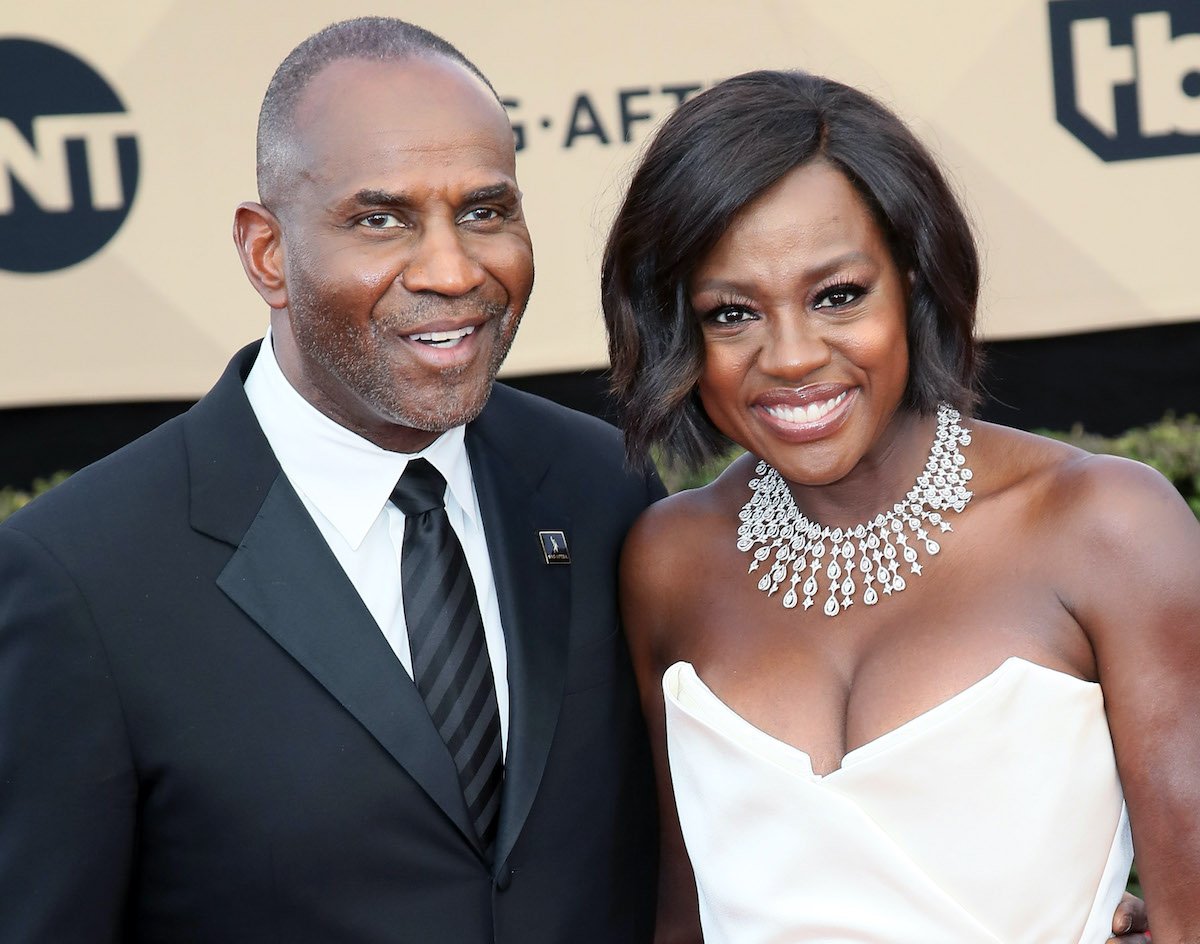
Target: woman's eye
x: 379, y: 221
x: 838, y: 296
x: 731, y: 315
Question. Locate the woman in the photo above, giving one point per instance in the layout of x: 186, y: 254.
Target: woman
x: 887, y: 656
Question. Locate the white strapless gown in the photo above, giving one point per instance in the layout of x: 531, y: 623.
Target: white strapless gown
x: 995, y: 817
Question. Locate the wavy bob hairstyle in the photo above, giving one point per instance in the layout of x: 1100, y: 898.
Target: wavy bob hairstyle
x: 714, y: 155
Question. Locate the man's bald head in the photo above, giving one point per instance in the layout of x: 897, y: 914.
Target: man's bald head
x: 370, y: 38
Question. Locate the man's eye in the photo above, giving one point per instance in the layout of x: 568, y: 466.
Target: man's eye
x: 379, y: 221
x: 481, y: 215
x: 838, y: 296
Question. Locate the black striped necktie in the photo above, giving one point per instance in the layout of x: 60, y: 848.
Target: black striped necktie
x: 445, y: 634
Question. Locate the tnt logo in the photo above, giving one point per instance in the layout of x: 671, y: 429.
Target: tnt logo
x: 1127, y: 75
x: 68, y: 158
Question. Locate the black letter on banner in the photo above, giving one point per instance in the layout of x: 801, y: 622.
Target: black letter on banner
x: 681, y: 92
x: 629, y: 117
x: 518, y: 128
x: 583, y: 105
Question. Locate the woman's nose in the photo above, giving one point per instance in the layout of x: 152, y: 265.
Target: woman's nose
x: 793, y: 348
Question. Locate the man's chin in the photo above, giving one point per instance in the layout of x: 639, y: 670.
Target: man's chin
x: 447, y: 413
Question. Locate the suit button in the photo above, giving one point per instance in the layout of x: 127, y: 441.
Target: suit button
x: 504, y: 879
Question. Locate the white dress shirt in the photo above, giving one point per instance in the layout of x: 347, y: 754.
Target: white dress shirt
x: 346, y: 482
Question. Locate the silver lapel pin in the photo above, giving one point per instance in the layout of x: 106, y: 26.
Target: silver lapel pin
x: 554, y: 547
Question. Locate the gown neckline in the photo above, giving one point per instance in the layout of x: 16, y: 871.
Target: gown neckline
x: 793, y: 756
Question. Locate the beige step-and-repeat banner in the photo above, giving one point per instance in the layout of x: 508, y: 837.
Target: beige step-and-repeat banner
x: 1072, y: 128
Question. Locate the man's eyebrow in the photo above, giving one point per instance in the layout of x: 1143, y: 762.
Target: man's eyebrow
x: 500, y: 191
x: 368, y: 197
x: 386, y: 198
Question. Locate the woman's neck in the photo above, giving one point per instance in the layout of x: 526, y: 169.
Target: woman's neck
x: 881, y: 478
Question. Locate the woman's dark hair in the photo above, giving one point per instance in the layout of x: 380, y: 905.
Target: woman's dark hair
x: 715, y: 154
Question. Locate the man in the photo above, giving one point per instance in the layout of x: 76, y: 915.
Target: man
x: 248, y: 693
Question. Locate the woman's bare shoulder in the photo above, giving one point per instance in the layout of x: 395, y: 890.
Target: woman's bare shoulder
x: 671, y: 543
x: 670, y: 526
x: 1082, y: 485
x: 1004, y: 457
x: 1116, y: 509
x: 1125, y: 507
x: 1072, y: 479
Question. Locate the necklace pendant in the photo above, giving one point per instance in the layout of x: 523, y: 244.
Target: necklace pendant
x: 771, y: 520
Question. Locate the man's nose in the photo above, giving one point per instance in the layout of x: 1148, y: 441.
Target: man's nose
x: 441, y: 263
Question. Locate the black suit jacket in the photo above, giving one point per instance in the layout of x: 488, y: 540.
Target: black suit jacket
x: 204, y: 737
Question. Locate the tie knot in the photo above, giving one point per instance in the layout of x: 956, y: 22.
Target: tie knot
x: 421, y: 488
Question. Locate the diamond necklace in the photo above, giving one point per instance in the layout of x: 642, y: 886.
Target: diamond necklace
x: 771, y: 519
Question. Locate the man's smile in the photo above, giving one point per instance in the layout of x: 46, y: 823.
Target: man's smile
x: 443, y: 339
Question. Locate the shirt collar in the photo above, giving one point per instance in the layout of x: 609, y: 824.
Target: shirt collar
x: 346, y: 477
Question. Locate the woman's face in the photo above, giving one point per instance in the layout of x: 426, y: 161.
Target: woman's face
x: 804, y: 319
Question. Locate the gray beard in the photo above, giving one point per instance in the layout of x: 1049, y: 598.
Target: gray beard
x: 359, y: 362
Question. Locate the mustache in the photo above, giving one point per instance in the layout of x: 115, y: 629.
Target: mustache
x: 424, y: 310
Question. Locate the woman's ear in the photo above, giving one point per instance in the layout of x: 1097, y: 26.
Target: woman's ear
x: 259, y: 240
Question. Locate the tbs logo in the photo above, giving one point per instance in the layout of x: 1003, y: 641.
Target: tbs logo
x: 1127, y: 75
x: 68, y: 158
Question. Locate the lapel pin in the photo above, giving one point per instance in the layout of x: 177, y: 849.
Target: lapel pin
x: 554, y: 547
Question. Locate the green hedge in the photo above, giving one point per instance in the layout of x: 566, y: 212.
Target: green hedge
x: 12, y: 499
x: 678, y: 479
x: 1171, y: 445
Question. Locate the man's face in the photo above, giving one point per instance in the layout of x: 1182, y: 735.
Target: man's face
x: 406, y: 258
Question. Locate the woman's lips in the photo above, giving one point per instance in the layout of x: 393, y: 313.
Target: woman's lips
x: 806, y: 415
x: 810, y: 413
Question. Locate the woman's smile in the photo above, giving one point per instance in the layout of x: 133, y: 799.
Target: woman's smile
x: 807, y: 413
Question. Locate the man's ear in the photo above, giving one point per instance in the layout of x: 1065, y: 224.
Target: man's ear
x: 259, y: 240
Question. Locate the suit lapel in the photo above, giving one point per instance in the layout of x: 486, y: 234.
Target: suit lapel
x: 285, y: 578
x: 535, y: 601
